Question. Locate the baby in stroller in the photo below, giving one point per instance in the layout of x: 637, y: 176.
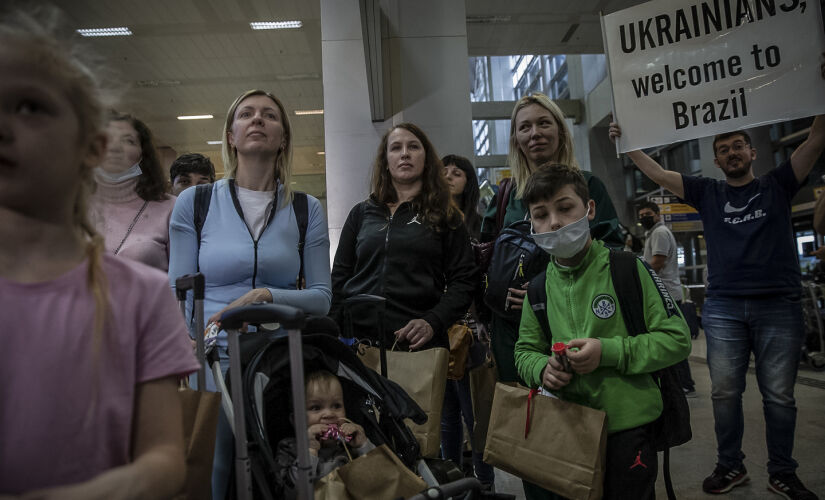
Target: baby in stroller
x: 334, y: 440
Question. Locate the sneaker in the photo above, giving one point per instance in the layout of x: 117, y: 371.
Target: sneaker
x: 724, y: 479
x: 787, y: 485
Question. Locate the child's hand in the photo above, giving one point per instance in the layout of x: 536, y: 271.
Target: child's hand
x: 588, y: 356
x: 355, y: 431
x: 553, y: 375
x: 314, y: 432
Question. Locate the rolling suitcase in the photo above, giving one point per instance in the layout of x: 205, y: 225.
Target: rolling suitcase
x: 200, y: 408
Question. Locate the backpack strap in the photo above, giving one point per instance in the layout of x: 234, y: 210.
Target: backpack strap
x: 628, y: 286
x: 300, y: 206
x: 505, y: 186
x: 537, y: 295
x: 203, y: 197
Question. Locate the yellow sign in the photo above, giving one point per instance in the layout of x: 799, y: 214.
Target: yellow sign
x: 677, y: 208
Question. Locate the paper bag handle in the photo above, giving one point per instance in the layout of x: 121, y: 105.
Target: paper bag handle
x: 529, y: 401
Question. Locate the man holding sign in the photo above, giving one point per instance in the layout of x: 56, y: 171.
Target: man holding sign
x: 753, y: 295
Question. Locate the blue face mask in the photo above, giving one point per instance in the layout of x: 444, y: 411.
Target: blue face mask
x: 111, y: 178
x: 566, y: 241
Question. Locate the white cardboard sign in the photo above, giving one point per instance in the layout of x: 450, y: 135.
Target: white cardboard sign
x: 683, y: 69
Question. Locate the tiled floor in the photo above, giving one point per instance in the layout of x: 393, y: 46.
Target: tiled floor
x: 692, y: 462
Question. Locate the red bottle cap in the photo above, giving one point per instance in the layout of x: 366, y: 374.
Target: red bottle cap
x: 559, y: 348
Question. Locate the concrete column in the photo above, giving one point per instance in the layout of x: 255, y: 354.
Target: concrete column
x: 428, y: 85
x: 350, y: 136
x: 430, y: 71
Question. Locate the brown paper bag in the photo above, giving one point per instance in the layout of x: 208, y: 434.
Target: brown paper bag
x: 378, y: 475
x: 482, y: 387
x: 423, y: 375
x: 331, y: 487
x: 564, y: 450
x: 461, y: 338
x: 200, y: 421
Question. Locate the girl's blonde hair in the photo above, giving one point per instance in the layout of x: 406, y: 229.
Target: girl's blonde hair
x: 515, y: 157
x: 39, y: 36
x: 283, y: 163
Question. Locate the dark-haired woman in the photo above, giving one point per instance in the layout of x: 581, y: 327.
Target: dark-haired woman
x: 407, y: 243
x: 131, y: 207
x: 463, y: 183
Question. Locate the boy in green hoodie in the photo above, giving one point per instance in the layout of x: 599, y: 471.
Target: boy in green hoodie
x: 609, y: 368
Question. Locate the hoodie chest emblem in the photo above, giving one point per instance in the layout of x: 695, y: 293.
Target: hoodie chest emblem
x: 603, y: 306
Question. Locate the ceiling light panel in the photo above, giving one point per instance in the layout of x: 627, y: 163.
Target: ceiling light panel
x: 119, y: 31
x: 275, y: 25
x: 301, y: 112
x: 195, y: 117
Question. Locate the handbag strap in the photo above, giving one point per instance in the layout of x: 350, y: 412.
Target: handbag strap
x: 131, y: 226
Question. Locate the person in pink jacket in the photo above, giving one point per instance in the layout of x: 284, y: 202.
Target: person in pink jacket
x: 131, y: 206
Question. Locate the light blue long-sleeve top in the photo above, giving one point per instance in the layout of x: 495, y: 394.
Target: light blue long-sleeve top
x: 230, y: 262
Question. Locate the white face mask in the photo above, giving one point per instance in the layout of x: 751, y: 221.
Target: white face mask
x: 129, y: 173
x: 567, y: 241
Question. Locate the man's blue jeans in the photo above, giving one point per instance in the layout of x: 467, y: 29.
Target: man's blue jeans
x: 771, y: 328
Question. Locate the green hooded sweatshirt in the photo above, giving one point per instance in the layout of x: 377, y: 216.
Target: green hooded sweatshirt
x: 582, y: 303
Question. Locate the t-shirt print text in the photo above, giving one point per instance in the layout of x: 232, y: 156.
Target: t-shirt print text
x: 756, y: 214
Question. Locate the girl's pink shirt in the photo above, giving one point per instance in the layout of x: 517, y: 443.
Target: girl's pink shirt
x: 66, y: 415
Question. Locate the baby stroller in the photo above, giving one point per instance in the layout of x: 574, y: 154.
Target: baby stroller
x: 268, y: 377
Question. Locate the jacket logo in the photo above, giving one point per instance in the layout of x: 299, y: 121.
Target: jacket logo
x: 414, y: 220
x: 603, y: 306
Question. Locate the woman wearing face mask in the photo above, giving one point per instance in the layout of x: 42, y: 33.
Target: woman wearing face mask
x: 407, y: 243
x: 463, y: 183
x: 248, y: 247
x: 130, y: 205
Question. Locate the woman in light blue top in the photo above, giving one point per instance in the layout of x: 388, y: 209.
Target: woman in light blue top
x: 248, y: 248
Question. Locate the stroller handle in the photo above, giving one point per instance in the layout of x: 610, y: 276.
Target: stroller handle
x: 195, y: 282
x: 289, y: 317
x: 364, y: 298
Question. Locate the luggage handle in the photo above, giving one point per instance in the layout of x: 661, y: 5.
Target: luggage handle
x: 289, y: 317
x: 197, y: 283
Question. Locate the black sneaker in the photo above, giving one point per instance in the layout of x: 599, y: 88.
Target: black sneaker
x: 723, y: 479
x: 787, y: 485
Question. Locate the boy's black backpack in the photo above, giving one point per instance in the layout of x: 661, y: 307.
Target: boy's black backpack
x: 516, y: 259
x: 672, y: 428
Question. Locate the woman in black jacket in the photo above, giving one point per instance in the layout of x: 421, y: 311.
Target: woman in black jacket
x: 406, y: 243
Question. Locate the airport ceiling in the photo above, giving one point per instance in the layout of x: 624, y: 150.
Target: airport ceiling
x: 193, y: 57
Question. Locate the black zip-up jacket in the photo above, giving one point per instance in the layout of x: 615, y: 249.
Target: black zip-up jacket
x: 422, y: 273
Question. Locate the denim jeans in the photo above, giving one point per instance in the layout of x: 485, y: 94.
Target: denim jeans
x: 457, y: 403
x: 771, y: 328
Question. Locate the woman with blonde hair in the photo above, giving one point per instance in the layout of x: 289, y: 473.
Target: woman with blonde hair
x: 538, y: 135
x: 407, y: 243
x: 249, y: 244
x: 96, y: 343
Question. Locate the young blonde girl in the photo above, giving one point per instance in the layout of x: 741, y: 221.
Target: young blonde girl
x: 93, y: 343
